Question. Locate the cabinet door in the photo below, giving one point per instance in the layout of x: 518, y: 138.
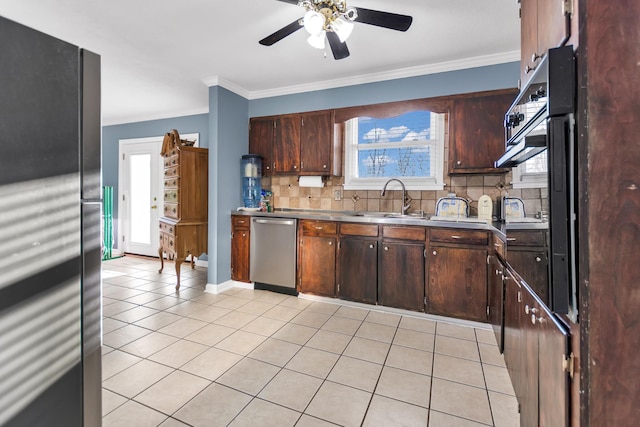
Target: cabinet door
x: 532, y: 267
x: 528, y: 39
x: 316, y: 137
x: 261, y: 140
x: 554, y: 381
x: 513, y: 334
x: 286, y: 149
x: 240, y: 240
x: 495, y: 286
x: 477, y: 132
x: 458, y: 283
x: 318, y: 265
x: 401, y: 275
x: 357, y: 277
x: 528, y: 397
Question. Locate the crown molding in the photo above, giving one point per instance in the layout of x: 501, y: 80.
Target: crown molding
x: 154, y: 116
x: 421, y: 70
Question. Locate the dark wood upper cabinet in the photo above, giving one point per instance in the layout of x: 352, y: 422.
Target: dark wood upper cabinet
x: 543, y: 26
x: 261, y: 140
x: 316, y: 134
x: 297, y: 144
x: 476, y: 138
x: 286, y: 148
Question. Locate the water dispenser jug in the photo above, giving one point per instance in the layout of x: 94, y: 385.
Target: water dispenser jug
x: 251, y: 180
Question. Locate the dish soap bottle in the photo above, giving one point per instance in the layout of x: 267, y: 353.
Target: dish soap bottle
x: 485, y: 208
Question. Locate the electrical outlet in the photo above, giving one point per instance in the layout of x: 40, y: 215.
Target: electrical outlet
x: 337, y: 195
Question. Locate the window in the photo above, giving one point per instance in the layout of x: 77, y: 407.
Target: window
x: 409, y: 147
x: 532, y: 173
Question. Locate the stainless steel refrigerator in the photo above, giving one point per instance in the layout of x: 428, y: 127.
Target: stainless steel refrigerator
x: 50, y: 222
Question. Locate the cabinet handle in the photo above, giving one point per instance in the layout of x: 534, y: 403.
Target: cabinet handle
x: 241, y: 222
x: 511, y: 239
x: 370, y: 246
x: 324, y: 166
x: 244, y: 234
x: 386, y: 248
x: 295, y: 166
x: 529, y: 69
x: 301, y: 165
x: 535, y: 57
x: 538, y: 259
x: 456, y: 237
x: 458, y: 162
x: 528, y: 309
x: 268, y: 167
x: 330, y: 243
x: 435, y: 253
x: 318, y: 227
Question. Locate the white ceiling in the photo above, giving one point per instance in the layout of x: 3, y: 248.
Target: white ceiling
x: 159, y: 56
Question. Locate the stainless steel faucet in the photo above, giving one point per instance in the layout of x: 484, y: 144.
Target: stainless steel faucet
x: 404, y: 208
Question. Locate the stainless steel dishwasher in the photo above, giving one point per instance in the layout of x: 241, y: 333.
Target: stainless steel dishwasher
x: 273, y: 254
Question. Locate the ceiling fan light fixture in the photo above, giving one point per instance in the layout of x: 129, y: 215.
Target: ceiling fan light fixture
x: 317, y: 40
x: 313, y: 22
x: 342, y: 28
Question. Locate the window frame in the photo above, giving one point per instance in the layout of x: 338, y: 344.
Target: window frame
x: 351, y: 148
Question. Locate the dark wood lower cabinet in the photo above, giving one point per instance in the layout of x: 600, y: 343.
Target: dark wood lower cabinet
x: 536, y: 351
x: 495, y: 289
x: 401, y: 275
x: 240, y: 241
x: 357, y: 270
x: 458, y: 282
x: 317, y: 265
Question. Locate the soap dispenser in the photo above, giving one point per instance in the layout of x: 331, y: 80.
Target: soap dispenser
x: 485, y: 208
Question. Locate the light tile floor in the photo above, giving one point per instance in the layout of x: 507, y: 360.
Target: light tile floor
x: 257, y: 358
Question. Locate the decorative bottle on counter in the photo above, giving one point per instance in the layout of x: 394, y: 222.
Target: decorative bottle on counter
x: 251, y: 180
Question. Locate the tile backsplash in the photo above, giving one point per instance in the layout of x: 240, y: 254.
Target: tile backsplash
x: 288, y: 194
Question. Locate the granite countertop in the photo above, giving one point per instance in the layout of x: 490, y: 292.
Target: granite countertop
x: 373, y: 218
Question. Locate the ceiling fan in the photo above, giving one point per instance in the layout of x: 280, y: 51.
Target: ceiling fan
x: 334, y: 19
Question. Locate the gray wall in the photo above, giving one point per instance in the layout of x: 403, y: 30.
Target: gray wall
x: 225, y: 131
x: 229, y: 136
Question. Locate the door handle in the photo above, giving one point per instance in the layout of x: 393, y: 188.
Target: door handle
x: 154, y: 207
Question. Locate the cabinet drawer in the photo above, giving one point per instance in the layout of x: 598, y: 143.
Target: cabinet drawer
x: 171, y: 195
x: 166, y: 228
x: 172, y: 171
x: 405, y: 233
x: 171, y: 210
x: 525, y: 238
x: 367, y: 230
x: 240, y: 222
x: 172, y: 160
x: 171, y: 182
x: 464, y: 237
x: 315, y: 228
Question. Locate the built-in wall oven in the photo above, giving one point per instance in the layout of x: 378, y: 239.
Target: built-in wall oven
x: 542, y: 118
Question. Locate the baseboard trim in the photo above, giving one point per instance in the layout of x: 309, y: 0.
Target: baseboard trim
x: 225, y: 286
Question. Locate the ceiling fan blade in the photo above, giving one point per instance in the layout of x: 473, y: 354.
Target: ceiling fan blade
x: 339, y: 49
x: 389, y: 20
x: 281, y: 33
x: 290, y: 1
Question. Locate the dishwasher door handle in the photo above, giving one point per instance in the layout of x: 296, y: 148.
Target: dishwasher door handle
x: 275, y: 221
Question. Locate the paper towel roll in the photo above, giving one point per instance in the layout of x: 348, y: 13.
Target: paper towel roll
x: 311, y: 181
